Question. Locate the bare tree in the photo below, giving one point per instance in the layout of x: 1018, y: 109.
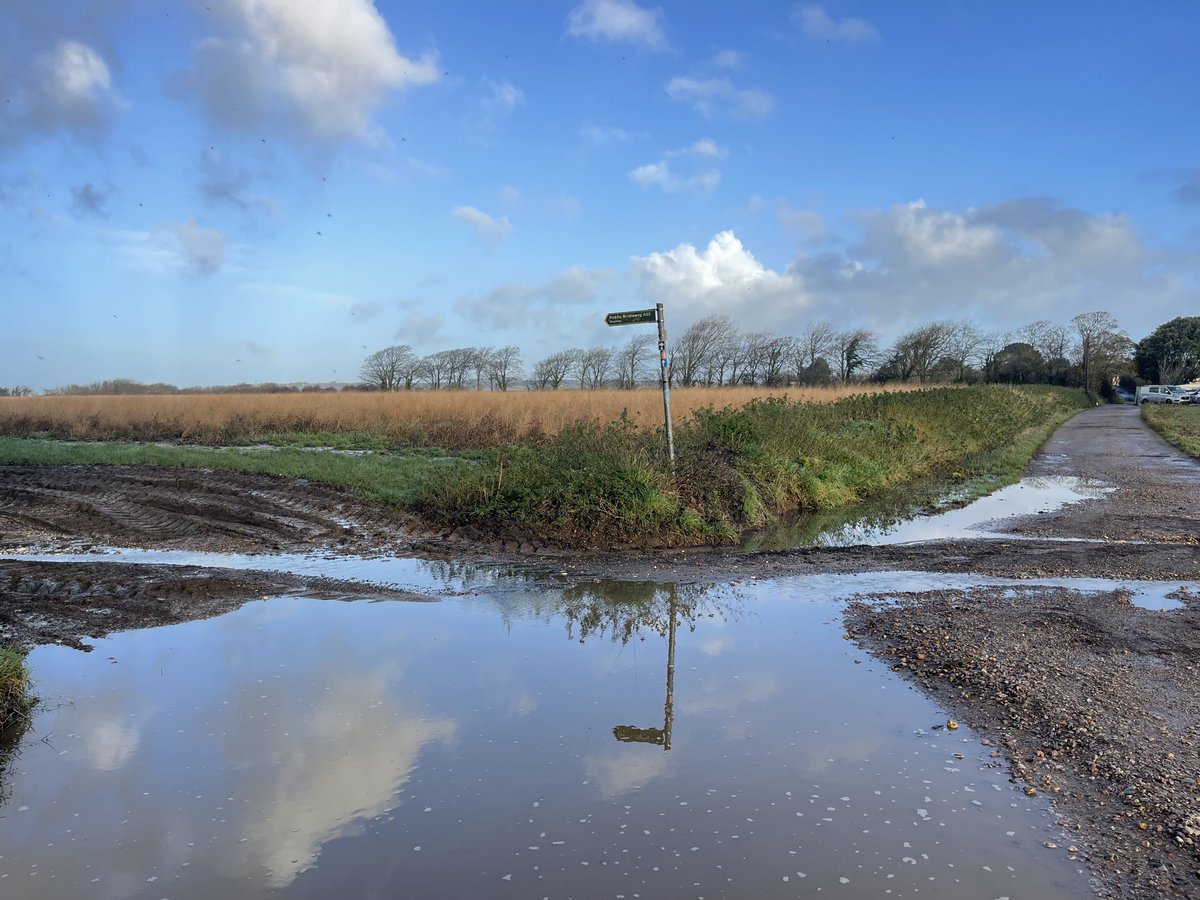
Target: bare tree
x: 631, y: 360
x: 456, y: 364
x: 384, y: 368
x: 693, y: 351
x: 504, y: 367
x: 552, y: 371
x: 816, y: 341
x: 594, y: 366
x: 918, y: 351
x: 481, y: 361
x: 1101, y: 346
x: 964, y: 344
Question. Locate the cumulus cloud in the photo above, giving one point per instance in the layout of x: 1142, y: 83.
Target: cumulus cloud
x: 1002, y: 265
x: 489, y: 228
x: 318, y: 69
x: 617, y: 21
x: 717, y: 98
x: 819, y: 25
x: 66, y: 87
x: 665, y: 172
x: 724, y: 277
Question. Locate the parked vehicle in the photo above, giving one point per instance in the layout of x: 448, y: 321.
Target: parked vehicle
x: 1123, y: 395
x: 1162, y: 393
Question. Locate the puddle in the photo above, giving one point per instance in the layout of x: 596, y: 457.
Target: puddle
x: 514, y: 743
x: 979, y: 519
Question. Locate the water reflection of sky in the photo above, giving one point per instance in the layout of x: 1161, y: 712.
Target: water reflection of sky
x: 308, y: 748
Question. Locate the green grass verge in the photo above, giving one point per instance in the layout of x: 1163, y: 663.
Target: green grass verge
x: 387, y: 479
x: 1179, y: 425
x: 737, y: 469
x: 16, y: 701
x: 745, y: 468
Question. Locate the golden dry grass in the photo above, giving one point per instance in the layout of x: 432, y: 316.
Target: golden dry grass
x: 453, y: 419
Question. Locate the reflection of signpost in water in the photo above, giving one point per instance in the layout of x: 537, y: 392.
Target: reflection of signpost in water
x: 631, y: 734
x: 645, y: 317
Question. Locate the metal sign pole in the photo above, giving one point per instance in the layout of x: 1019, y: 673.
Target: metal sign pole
x: 666, y: 381
x: 645, y: 317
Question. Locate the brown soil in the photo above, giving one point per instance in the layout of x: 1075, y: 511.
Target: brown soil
x: 62, y: 603
x: 1087, y: 696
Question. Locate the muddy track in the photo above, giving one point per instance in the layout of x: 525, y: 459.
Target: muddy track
x: 66, y: 603
x: 143, y: 506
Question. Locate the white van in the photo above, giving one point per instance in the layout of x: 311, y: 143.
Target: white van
x: 1162, y: 393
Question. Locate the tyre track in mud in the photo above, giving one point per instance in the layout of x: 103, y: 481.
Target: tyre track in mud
x: 202, y: 510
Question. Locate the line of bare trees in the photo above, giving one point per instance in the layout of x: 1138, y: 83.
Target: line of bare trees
x: 399, y: 368
x: 713, y: 352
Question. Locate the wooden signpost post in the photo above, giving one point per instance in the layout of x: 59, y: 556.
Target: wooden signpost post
x: 645, y: 317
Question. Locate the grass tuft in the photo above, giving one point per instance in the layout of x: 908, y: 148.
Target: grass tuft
x: 16, y: 701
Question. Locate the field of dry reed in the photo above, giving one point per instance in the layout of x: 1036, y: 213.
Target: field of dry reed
x: 450, y: 419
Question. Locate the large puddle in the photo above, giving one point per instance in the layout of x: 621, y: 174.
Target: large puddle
x: 525, y: 738
x: 518, y: 743
x: 907, y: 519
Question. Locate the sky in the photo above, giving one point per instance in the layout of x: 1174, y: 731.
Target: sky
x: 226, y: 191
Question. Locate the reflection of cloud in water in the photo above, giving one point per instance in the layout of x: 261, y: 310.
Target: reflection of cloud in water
x: 109, y: 744
x: 497, y: 679
x: 319, y: 790
x: 622, y: 769
x: 726, y: 693
x: 713, y: 646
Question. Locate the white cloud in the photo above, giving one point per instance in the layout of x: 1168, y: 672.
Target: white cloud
x: 706, y: 148
x: 725, y: 278
x: 1002, y: 265
x: 183, y: 248
x: 490, y: 229
x: 729, y: 59
x: 512, y: 303
x: 617, y: 21
x: 923, y: 237
x: 67, y: 87
x: 819, y: 25
x: 659, y: 174
x: 494, y: 104
x: 605, y: 134
x: 663, y: 175
x: 318, y: 68
x: 716, y: 98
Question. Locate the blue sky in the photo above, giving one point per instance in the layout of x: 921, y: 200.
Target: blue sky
x: 244, y: 190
